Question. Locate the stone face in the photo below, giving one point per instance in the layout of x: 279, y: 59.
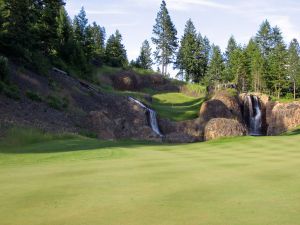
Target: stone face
x: 123, y: 119
x: 181, y: 132
x: 221, y: 127
x: 282, y: 117
x: 222, y: 105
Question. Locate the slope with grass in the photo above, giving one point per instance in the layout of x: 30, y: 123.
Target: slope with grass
x: 176, y: 106
x: 76, y: 180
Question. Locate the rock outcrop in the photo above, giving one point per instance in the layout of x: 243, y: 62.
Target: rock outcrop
x: 222, y: 105
x: 123, y: 119
x: 181, y: 132
x: 221, y: 127
x: 282, y: 117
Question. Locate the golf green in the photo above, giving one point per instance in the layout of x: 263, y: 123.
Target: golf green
x: 81, y: 181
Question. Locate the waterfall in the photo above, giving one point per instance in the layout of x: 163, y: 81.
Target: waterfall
x: 152, y: 117
x: 253, y: 115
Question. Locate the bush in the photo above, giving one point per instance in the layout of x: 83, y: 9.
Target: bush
x: 34, y: 96
x: 12, y: 91
x: 4, y: 70
x: 40, y: 63
x: 57, y: 102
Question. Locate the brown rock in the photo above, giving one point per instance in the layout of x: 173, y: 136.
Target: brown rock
x: 222, y: 105
x: 283, y: 116
x: 221, y: 127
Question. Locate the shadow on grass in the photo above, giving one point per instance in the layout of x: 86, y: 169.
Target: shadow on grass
x: 294, y: 132
x: 186, y: 103
x: 71, y: 145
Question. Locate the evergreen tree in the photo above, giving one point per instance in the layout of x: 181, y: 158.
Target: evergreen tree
x: 264, y: 38
x: 294, y: 65
x: 164, y: 38
x: 256, y: 65
x: 192, y: 57
x: 240, y: 69
x: 48, y: 25
x: 19, y: 18
x: 229, y: 58
x: 187, y: 51
x: 277, y: 78
x: 115, y: 51
x: 80, y: 23
x: 144, y: 60
x: 216, y: 67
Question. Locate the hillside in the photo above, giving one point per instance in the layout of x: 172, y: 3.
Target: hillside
x: 62, y: 103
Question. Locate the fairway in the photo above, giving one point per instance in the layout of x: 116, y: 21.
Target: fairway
x: 84, y: 181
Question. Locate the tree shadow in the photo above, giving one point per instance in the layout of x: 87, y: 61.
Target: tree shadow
x: 71, y: 145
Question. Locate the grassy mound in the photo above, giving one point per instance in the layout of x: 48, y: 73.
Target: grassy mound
x: 176, y: 106
x: 85, y: 181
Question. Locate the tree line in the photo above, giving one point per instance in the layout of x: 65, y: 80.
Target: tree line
x: 40, y: 33
x: 265, y: 64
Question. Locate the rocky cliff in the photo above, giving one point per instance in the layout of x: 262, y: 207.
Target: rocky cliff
x: 282, y: 117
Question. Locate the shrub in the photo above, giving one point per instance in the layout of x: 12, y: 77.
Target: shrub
x: 4, y: 70
x: 57, y: 102
x: 33, y: 96
x: 12, y: 91
x: 40, y: 63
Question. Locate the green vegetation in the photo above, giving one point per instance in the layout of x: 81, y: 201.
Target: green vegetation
x: 11, y: 91
x: 77, y: 180
x: 4, y: 72
x: 176, y: 106
x: 57, y: 102
x: 33, y: 96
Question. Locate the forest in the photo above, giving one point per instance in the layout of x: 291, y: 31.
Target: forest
x: 39, y: 34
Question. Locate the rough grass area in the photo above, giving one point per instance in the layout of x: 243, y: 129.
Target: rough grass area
x: 176, y: 106
x: 77, y: 181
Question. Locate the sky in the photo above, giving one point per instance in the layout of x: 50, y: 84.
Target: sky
x: 216, y: 19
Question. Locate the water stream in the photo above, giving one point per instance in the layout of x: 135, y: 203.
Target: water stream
x: 152, y: 117
x: 253, y: 115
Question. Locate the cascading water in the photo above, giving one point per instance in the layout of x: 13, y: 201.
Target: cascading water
x: 253, y: 115
x: 152, y: 117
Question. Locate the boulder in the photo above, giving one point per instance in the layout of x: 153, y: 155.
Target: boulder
x: 221, y: 127
x: 181, y: 132
x: 222, y: 105
x: 282, y: 117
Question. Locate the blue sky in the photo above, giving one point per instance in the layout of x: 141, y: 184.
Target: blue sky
x: 217, y: 19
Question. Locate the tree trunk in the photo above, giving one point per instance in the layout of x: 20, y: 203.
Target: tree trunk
x: 166, y: 70
x: 294, y: 90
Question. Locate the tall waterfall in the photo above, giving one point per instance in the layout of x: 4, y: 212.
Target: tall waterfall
x: 253, y: 115
x: 152, y: 117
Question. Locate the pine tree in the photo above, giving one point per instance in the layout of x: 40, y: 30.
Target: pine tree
x: 264, y: 38
x: 144, y: 60
x: 229, y: 58
x: 48, y: 25
x: 115, y: 51
x: 240, y: 69
x: 187, y: 51
x: 294, y: 65
x: 277, y: 78
x: 80, y: 23
x: 216, y: 67
x: 256, y: 64
x: 192, y: 57
x: 18, y: 25
x: 164, y: 38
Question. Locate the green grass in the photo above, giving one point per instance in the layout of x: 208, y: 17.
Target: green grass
x: 176, y: 106
x: 76, y: 180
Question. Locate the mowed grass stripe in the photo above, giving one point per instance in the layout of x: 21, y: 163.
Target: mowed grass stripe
x: 232, y: 181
